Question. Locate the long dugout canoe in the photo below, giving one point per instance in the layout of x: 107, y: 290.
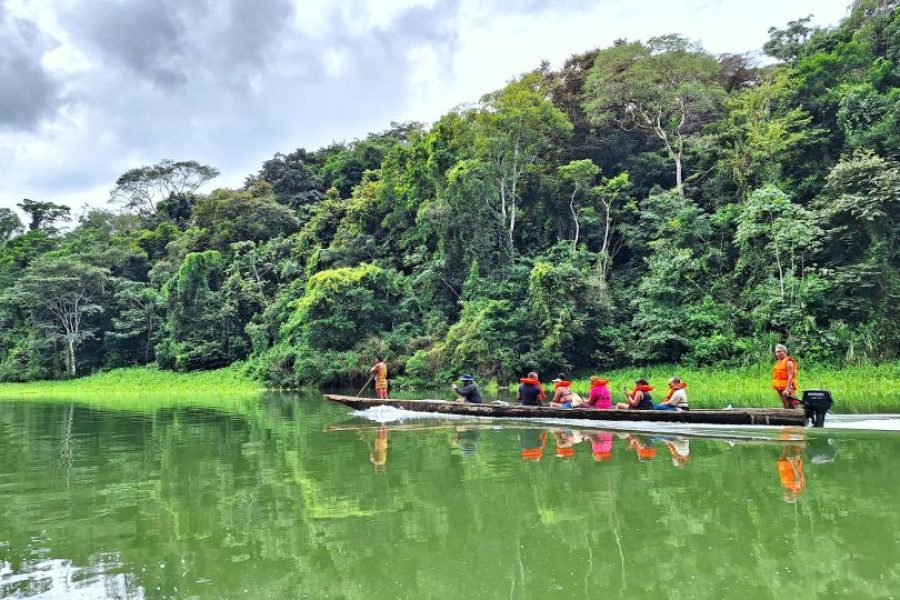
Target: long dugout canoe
x: 730, y: 416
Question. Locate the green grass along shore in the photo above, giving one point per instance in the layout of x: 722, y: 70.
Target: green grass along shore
x: 855, y: 388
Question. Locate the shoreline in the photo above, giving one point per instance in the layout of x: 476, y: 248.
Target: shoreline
x: 855, y: 389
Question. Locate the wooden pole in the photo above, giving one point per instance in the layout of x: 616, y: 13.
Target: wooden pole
x: 365, y: 386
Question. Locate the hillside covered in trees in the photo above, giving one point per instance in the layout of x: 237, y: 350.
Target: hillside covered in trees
x: 648, y: 202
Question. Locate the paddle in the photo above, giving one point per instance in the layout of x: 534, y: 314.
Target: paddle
x: 365, y: 386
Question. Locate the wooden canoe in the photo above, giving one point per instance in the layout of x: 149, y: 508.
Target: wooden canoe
x: 731, y: 416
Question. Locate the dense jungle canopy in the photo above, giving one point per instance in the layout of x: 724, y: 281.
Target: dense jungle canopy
x: 647, y: 202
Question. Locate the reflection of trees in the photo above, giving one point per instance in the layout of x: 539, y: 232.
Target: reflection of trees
x: 196, y: 502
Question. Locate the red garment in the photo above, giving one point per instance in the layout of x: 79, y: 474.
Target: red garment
x: 641, y: 388
x: 678, y: 386
x: 537, y: 382
x: 559, y: 384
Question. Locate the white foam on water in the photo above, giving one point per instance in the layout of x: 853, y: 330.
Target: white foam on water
x: 392, y: 414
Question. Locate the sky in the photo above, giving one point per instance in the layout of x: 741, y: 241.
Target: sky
x: 92, y: 88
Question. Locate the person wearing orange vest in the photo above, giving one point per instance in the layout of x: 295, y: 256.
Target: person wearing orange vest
x: 784, y: 377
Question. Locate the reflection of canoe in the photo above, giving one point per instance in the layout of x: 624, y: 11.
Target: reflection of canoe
x: 731, y: 416
x: 734, y: 437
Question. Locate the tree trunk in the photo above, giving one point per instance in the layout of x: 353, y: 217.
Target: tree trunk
x: 678, y: 182
x: 72, y: 369
x: 574, y: 218
x: 149, y: 337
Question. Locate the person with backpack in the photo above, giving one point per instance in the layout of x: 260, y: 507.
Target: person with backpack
x: 563, y: 396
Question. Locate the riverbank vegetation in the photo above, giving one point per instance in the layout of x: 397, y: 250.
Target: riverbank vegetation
x: 142, y: 382
x: 647, y: 203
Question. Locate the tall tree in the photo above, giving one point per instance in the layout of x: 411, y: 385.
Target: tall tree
x: 63, y: 294
x: 142, y: 188
x: 140, y: 311
x: 44, y: 215
x: 10, y: 224
x: 517, y: 125
x: 579, y: 175
x: 668, y: 87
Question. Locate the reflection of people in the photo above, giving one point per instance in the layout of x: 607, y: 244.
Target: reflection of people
x: 531, y: 392
x: 469, y: 391
x: 532, y: 443
x: 565, y: 443
x: 680, y: 449
x: 784, y: 377
x: 639, y: 398
x: 644, y: 452
x: 467, y: 439
x: 601, y: 445
x: 381, y: 377
x: 676, y: 398
x: 599, y: 396
x: 378, y: 455
x: 790, y: 472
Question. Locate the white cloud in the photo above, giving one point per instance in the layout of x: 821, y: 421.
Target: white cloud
x: 230, y: 86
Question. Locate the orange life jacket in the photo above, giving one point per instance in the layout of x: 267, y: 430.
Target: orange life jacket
x: 790, y: 471
x: 675, y: 388
x: 780, y: 373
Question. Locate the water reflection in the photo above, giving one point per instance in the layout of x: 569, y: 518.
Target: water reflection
x: 601, y: 445
x: 287, y: 498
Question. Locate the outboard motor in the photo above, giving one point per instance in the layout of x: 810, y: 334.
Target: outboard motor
x: 817, y: 403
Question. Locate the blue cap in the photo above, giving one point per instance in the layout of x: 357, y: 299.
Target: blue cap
x: 467, y: 378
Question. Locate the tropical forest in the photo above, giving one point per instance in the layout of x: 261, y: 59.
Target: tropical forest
x: 647, y: 203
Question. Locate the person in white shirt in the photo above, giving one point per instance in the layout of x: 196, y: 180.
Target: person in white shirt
x: 676, y: 399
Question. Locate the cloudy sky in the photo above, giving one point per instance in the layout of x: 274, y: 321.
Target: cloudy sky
x: 91, y: 88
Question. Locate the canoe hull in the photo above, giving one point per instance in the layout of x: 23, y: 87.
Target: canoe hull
x: 734, y: 416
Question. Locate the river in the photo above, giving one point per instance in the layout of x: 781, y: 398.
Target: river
x: 289, y: 496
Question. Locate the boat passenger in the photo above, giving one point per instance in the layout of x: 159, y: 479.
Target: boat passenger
x: 531, y: 392
x: 599, y: 396
x: 469, y: 391
x: 563, y: 396
x: 381, y: 377
x: 676, y: 399
x: 639, y: 398
x: 784, y: 377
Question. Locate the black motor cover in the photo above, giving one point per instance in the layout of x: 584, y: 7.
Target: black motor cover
x: 817, y: 403
x: 817, y: 399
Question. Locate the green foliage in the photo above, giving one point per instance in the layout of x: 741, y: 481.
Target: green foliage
x: 344, y: 317
x: 225, y: 217
x: 667, y: 87
x: 201, y: 331
x: 743, y: 206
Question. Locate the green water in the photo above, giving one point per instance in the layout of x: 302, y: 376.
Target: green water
x: 291, y: 497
